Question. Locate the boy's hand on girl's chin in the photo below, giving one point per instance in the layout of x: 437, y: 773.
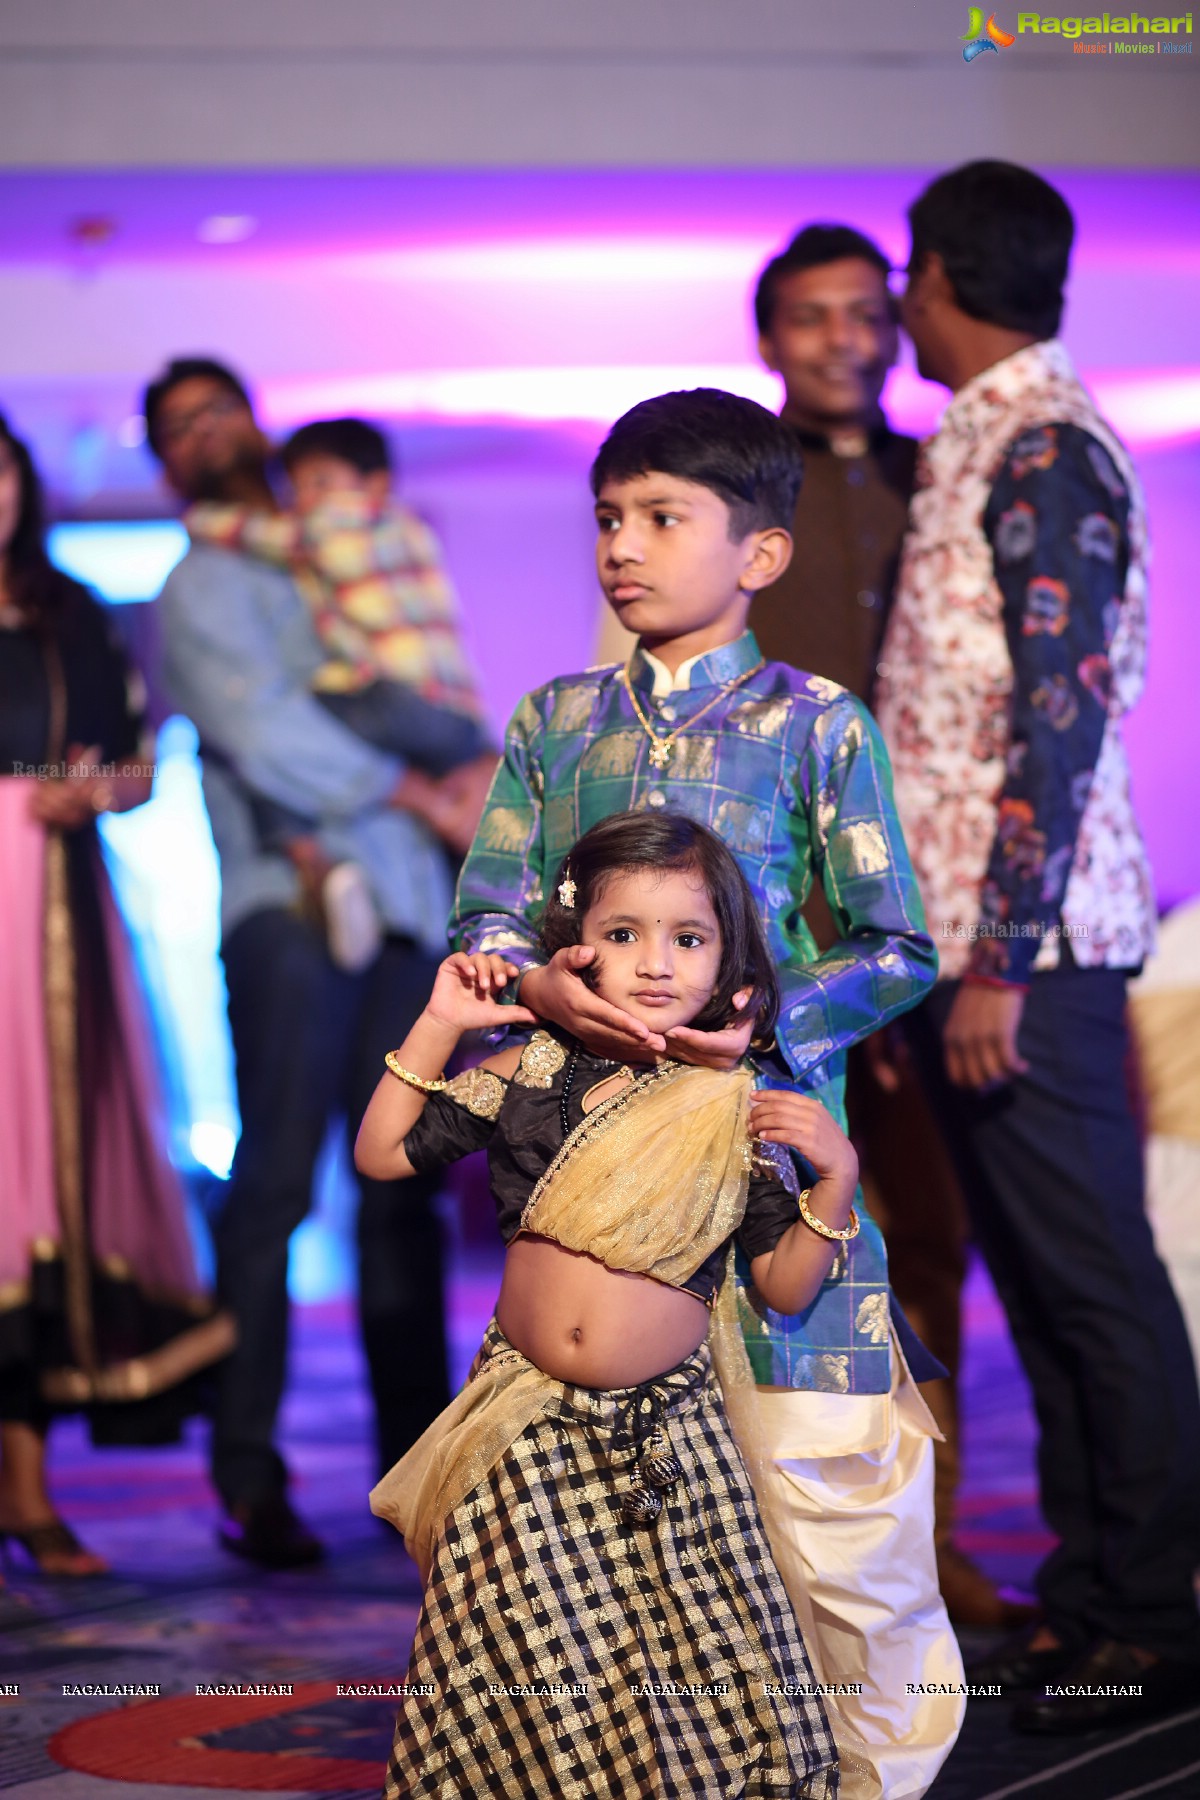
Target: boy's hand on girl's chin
x: 557, y: 992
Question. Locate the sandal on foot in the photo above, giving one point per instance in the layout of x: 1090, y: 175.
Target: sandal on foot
x: 49, y: 1541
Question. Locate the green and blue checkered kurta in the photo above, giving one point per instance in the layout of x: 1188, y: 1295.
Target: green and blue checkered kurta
x: 791, y: 772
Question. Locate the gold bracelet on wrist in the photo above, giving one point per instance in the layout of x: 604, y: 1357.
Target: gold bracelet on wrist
x: 824, y: 1230
x: 410, y: 1080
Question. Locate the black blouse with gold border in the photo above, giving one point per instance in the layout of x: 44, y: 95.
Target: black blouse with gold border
x: 519, y: 1123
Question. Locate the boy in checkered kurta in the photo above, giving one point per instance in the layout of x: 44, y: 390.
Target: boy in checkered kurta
x: 694, y: 494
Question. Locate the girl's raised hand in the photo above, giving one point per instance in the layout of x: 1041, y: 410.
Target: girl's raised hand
x: 779, y: 1116
x: 466, y: 993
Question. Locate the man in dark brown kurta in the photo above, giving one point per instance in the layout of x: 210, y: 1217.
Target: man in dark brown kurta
x: 827, y: 326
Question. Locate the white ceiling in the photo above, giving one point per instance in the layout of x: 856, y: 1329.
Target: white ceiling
x: 559, y: 83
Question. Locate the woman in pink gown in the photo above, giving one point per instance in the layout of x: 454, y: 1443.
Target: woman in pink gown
x: 100, y: 1306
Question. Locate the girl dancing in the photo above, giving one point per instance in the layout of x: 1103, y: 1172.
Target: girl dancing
x: 603, y: 1613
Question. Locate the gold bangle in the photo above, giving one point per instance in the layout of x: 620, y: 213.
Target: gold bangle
x: 406, y: 1075
x: 824, y: 1230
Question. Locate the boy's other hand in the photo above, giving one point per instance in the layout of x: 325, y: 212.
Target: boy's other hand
x: 557, y: 992
x: 980, y: 1036
x: 711, y: 1049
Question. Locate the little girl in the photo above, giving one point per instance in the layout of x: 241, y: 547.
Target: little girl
x: 602, y: 1610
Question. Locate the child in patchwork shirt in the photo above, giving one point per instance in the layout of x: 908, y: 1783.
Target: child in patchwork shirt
x: 395, y: 670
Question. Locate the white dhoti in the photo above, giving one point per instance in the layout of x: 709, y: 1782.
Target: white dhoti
x: 855, y: 1481
x: 1164, y: 1009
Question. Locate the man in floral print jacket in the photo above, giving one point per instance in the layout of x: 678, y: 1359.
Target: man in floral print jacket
x: 1014, y: 647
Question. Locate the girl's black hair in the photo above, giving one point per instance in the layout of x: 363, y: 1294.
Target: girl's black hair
x: 669, y: 843
x: 35, y: 586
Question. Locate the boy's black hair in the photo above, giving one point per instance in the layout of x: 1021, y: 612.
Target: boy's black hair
x: 671, y: 842
x: 178, y: 370
x: 812, y: 248
x: 1004, y: 236
x: 351, y: 441
x: 721, y: 441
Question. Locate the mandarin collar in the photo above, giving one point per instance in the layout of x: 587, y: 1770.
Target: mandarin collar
x: 877, y: 432
x: 713, y: 669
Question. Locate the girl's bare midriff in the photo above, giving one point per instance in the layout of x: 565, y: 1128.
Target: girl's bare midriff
x: 598, y: 1327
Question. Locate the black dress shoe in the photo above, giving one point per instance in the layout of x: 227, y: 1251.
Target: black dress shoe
x: 1108, y: 1685
x: 1013, y: 1666
x: 269, y: 1533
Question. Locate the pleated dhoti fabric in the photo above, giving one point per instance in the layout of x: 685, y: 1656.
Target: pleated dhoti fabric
x: 562, y: 1652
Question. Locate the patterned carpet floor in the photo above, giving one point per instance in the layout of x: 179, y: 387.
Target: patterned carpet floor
x: 178, y: 1612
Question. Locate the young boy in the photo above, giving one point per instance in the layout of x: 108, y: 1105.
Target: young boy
x: 694, y: 496
x: 396, y: 671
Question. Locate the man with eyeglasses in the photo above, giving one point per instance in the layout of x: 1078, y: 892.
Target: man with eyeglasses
x: 309, y: 1037
x: 828, y: 326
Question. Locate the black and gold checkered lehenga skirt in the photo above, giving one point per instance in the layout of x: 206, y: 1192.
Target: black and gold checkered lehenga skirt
x: 563, y: 1652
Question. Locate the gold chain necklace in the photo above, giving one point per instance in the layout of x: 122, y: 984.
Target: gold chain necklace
x: 662, y: 748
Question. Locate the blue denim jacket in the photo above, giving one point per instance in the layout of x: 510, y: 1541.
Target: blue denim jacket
x: 239, y: 652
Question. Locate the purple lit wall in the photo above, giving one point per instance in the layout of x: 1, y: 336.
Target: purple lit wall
x: 498, y: 320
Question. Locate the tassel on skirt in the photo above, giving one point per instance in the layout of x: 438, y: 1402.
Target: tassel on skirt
x: 564, y: 1651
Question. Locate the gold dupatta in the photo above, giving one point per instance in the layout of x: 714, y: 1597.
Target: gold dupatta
x: 650, y: 1182
x: 654, y: 1181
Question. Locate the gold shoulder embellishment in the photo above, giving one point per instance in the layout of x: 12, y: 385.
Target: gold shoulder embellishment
x: 481, y: 1092
x: 541, y: 1059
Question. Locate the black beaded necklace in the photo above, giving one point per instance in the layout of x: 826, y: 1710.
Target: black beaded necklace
x: 605, y: 1062
x: 563, y: 1098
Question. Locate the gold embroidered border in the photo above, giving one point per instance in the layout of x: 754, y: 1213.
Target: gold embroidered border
x: 115, y: 1268
x: 62, y: 1043
x: 143, y: 1376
